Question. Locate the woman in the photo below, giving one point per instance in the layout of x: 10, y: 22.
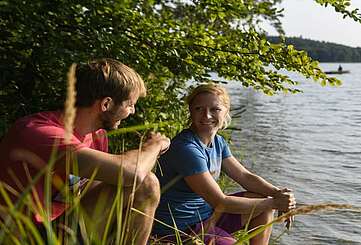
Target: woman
x: 192, y: 200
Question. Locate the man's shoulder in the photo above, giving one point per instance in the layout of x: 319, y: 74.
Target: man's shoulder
x: 46, y: 118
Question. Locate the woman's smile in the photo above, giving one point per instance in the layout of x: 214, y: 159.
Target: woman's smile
x: 207, y: 114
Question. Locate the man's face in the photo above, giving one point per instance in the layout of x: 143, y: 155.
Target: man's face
x: 111, y: 118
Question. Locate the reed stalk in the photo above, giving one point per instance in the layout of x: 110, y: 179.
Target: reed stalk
x: 70, y: 110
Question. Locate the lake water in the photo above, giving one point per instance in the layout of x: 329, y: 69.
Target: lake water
x: 311, y: 143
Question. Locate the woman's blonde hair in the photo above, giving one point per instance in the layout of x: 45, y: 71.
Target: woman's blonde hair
x: 215, y: 89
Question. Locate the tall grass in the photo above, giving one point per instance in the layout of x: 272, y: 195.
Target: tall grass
x: 17, y: 226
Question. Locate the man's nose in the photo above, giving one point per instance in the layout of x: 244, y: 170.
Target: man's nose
x: 132, y: 110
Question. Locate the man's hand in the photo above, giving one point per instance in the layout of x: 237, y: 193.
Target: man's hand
x: 158, y: 139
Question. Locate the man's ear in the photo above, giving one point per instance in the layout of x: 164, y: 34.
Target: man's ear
x: 106, y: 104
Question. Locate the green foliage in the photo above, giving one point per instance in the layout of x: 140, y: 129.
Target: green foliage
x: 322, y: 51
x: 343, y: 7
x: 167, y: 42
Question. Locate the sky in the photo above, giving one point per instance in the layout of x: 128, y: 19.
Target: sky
x: 308, y: 19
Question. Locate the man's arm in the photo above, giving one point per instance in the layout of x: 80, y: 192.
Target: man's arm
x: 132, y: 164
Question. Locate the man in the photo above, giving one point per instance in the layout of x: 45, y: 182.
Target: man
x: 106, y: 93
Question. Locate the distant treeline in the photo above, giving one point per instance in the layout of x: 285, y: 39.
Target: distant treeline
x: 323, y: 51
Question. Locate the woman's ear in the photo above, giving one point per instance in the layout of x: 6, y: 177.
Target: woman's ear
x: 106, y: 104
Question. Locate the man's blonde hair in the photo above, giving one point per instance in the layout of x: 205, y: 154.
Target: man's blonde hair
x: 106, y: 78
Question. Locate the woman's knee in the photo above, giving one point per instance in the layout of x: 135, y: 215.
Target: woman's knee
x: 263, y: 218
x: 267, y: 215
x: 252, y: 195
x: 260, y: 218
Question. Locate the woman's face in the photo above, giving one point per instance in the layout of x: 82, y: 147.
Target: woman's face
x: 207, y: 113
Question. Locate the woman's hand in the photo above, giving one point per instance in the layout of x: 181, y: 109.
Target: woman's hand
x: 284, y: 202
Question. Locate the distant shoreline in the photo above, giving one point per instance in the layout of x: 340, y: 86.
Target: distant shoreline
x: 325, y: 52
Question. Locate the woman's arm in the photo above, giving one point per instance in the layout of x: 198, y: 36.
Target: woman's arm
x: 284, y: 198
x: 249, y: 181
x: 204, y: 185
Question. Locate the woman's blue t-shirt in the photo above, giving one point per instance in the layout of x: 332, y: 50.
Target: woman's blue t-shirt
x: 186, y: 156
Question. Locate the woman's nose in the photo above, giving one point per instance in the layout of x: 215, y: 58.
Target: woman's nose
x: 207, y: 114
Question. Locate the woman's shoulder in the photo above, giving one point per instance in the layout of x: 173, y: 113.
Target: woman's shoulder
x: 220, y: 138
x: 185, y: 140
x: 184, y: 147
x: 220, y: 142
x: 185, y: 136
